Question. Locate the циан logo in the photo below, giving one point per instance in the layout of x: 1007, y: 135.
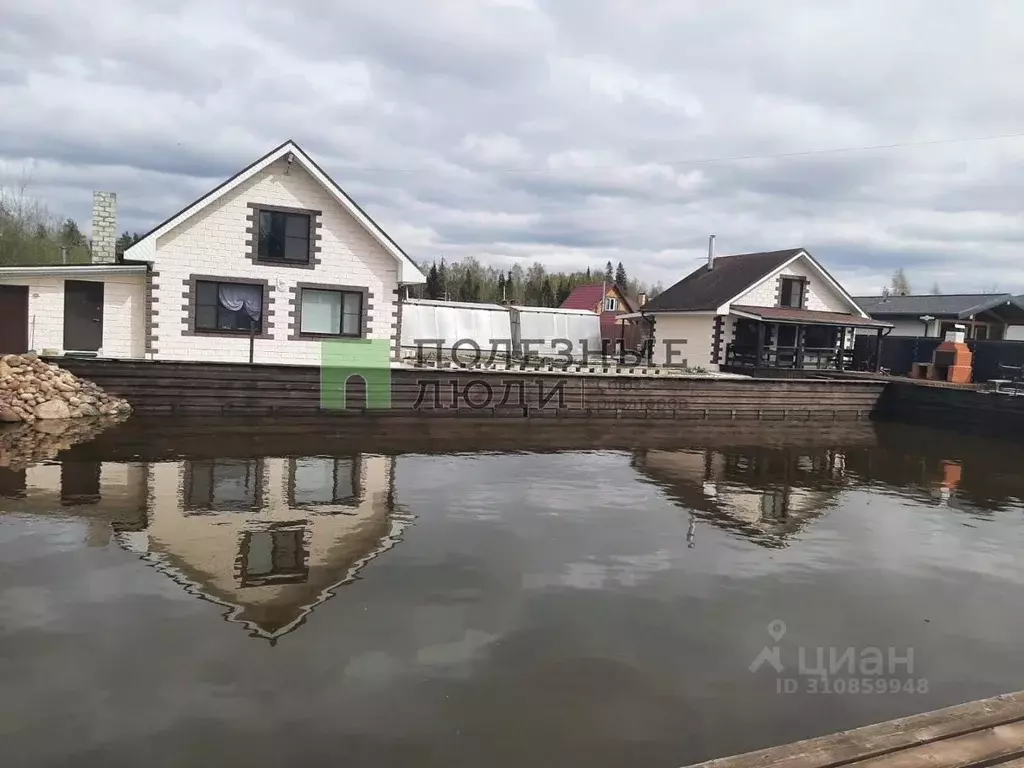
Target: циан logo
x: 771, y: 655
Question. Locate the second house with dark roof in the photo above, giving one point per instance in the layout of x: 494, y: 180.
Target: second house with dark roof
x: 985, y: 316
x: 778, y: 309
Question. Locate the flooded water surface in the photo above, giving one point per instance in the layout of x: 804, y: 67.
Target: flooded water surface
x: 286, y: 599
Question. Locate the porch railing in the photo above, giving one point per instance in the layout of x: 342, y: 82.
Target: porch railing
x: 808, y: 358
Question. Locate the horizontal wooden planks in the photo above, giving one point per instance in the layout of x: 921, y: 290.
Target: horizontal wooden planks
x: 977, y: 733
x: 174, y: 387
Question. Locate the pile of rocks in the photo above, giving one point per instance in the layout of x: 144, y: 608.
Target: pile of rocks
x: 32, y: 389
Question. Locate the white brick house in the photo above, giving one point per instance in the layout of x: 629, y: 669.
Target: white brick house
x: 277, y: 256
x: 778, y: 309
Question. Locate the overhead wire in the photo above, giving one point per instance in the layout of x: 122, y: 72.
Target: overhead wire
x: 712, y: 160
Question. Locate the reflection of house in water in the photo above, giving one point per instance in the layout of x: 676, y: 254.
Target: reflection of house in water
x: 108, y: 497
x: 268, y: 538
x: 763, y: 494
x: 977, y: 478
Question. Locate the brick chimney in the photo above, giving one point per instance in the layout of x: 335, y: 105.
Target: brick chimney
x: 104, y: 227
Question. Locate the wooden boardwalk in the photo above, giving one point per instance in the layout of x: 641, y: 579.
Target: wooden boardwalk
x: 989, y: 732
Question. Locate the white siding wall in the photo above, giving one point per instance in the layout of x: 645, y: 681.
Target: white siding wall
x: 124, y: 313
x: 698, y: 333
x: 214, y: 242
x: 1015, y: 333
x: 821, y: 297
x: 907, y: 326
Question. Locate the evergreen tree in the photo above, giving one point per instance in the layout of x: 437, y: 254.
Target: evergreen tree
x: 442, y: 280
x: 547, y: 295
x: 126, y: 241
x: 501, y: 286
x: 620, y: 276
x: 564, y: 289
x: 609, y: 274
x: 70, y: 235
x: 433, y: 288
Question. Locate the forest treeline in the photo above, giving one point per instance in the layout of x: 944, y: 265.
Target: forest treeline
x: 534, y: 285
x: 30, y: 235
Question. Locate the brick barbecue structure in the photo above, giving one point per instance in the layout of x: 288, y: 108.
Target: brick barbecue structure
x: 952, y: 360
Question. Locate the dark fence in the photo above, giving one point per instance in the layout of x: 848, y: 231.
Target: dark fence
x: 992, y: 359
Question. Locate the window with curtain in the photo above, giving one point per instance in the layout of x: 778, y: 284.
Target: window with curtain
x: 330, y: 313
x: 284, y: 237
x: 228, y: 307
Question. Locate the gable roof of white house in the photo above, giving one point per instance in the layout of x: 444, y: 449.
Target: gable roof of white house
x: 715, y: 289
x: 408, y: 272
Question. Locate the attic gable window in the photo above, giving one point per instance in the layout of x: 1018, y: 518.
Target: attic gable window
x: 284, y: 236
x: 791, y: 292
x: 611, y: 304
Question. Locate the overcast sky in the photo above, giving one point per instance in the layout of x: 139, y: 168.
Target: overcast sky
x: 564, y: 131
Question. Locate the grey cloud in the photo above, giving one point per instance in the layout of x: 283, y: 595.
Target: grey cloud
x: 538, y: 129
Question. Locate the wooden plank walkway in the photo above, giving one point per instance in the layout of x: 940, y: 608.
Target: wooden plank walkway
x: 989, y: 732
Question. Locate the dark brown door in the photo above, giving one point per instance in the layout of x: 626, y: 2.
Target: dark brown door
x: 13, y: 319
x: 83, y: 315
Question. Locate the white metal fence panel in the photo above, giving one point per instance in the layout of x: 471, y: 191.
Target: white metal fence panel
x: 430, y: 322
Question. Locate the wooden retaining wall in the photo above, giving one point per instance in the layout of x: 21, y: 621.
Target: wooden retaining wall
x: 197, y: 388
x: 965, y: 410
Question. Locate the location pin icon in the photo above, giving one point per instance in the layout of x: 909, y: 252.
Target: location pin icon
x: 777, y: 629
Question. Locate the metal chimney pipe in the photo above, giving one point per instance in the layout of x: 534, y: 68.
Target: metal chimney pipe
x: 711, y: 252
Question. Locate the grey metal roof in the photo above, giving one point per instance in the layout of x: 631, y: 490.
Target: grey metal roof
x: 959, y: 305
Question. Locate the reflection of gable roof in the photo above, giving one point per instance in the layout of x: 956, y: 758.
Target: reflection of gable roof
x: 408, y: 271
x: 689, y: 493
x: 292, y: 603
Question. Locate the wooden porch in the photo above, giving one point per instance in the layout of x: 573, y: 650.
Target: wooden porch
x: 796, y: 340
